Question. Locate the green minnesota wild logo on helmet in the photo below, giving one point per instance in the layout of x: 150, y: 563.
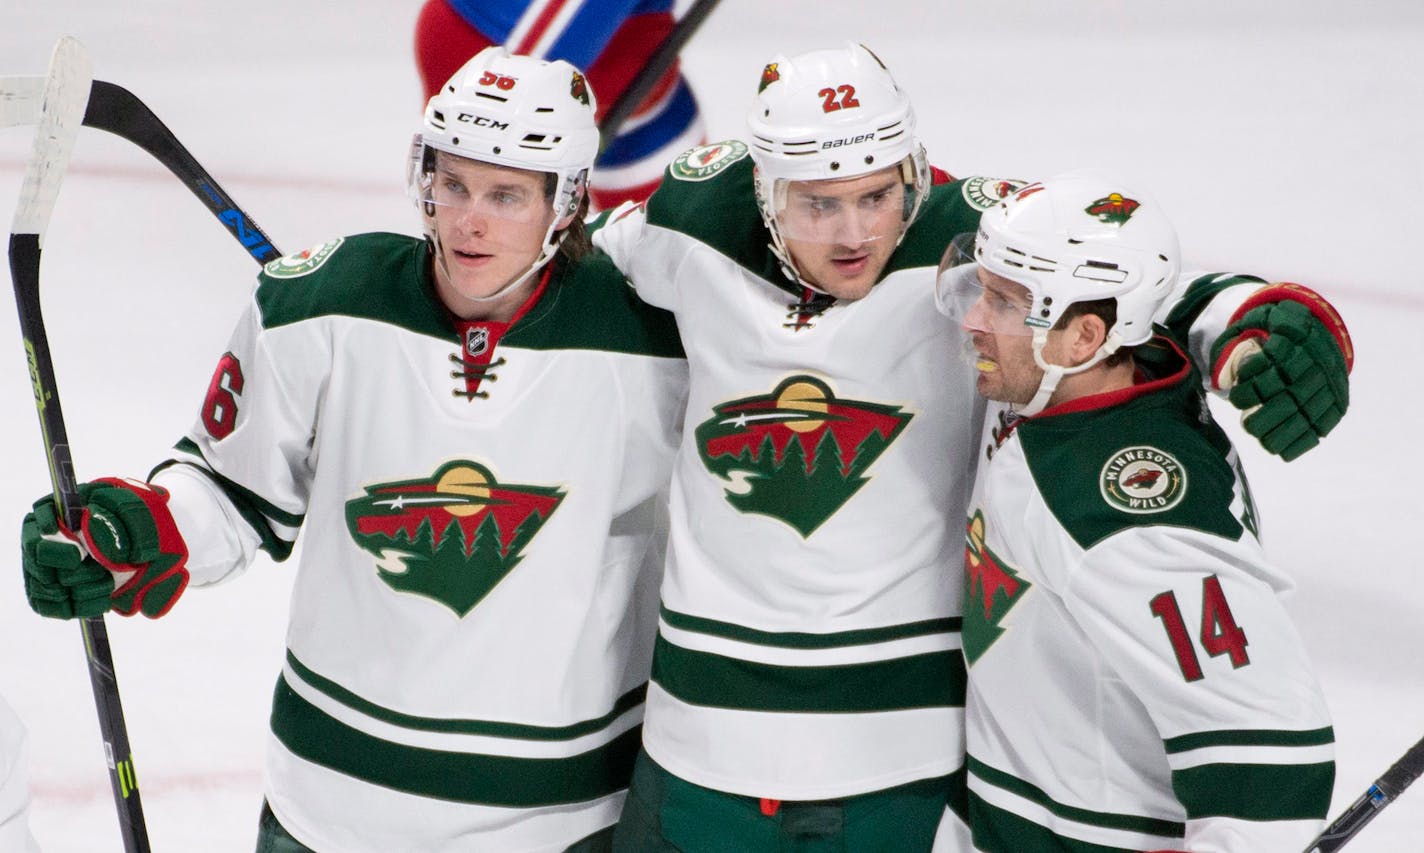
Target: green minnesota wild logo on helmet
x: 796, y: 454
x: 452, y: 536
x: 1113, y: 208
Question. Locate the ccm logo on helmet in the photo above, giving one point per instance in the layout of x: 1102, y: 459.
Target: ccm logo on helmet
x: 481, y: 121
x: 849, y: 140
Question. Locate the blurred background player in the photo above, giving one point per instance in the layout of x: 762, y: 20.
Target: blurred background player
x: 1134, y: 680
x: 471, y: 620
x: 612, y: 39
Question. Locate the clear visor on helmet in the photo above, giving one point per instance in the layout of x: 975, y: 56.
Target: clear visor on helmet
x: 977, y: 299
x: 449, y: 185
x: 848, y: 212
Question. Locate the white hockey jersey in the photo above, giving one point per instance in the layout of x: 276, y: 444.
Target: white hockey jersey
x: 809, y: 640
x: 472, y: 618
x: 1134, y: 682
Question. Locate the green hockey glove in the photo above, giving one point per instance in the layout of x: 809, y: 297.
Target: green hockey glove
x: 127, y: 554
x: 1285, y: 360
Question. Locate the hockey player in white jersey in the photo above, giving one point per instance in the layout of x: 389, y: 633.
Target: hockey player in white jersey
x: 471, y: 623
x: 14, y: 784
x: 1134, y: 682
x: 807, y: 683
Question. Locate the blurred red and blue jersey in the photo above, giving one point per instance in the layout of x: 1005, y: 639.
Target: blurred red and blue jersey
x: 611, y: 40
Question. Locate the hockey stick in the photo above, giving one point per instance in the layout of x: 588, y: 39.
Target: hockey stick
x: 656, y: 66
x: 64, y: 98
x: 1384, y: 791
x: 114, y: 109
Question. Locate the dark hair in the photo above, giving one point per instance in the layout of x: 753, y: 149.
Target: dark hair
x: 1105, y: 310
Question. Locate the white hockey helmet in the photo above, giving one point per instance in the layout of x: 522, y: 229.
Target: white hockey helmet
x: 827, y: 115
x: 514, y: 111
x: 1076, y: 237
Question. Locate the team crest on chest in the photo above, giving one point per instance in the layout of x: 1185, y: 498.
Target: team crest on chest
x: 704, y: 161
x: 796, y: 454
x: 452, y: 536
x: 303, y: 262
x: 992, y: 588
x: 1142, y: 480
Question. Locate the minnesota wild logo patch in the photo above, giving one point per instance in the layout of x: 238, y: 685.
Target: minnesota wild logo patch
x: 796, y: 454
x: 1143, y: 479
x: 303, y: 262
x: 450, y: 537
x: 992, y: 589
x: 984, y: 193
x: 704, y: 161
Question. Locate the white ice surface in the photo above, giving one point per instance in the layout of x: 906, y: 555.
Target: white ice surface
x: 1284, y: 138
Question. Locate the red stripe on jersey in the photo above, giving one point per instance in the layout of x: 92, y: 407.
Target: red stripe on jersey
x: 537, y: 30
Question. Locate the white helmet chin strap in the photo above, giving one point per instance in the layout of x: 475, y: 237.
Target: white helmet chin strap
x: 1054, y: 373
x: 551, y: 247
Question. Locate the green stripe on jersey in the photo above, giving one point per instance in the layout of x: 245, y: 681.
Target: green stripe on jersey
x: 254, y: 509
x: 631, y: 699
x: 1107, y: 820
x: 1198, y: 296
x: 1249, y: 737
x: 800, y: 640
x: 999, y: 831
x: 1256, y: 791
x: 492, y: 780
x: 930, y: 680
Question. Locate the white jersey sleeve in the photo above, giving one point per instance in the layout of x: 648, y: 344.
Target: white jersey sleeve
x: 1221, y: 295
x: 249, y: 458
x: 642, y: 252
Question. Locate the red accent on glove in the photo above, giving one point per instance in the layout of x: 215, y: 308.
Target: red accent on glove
x: 770, y: 807
x: 1319, y: 307
x: 170, y: 543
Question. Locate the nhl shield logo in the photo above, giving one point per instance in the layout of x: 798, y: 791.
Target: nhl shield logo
x: 796, y: 454
x: 476, y: 341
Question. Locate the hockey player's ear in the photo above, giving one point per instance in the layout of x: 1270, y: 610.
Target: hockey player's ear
x: 1082, y: 336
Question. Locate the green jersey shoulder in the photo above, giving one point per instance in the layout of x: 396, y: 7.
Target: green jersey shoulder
x: 378, y: 276
x: 1155, y: 457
